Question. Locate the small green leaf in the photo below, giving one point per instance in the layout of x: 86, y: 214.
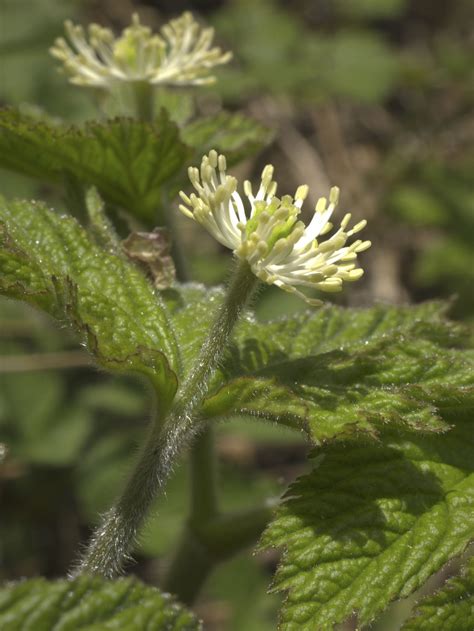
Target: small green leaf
x: 100, y: 225
x: 50, y: 262
x: 371, y: 523
x: 449, y: 609
x: 128, y: 161
x: 235, y: 135
x: 92, y: 604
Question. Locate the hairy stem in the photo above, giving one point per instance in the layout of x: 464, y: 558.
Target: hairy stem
x: 114, y: 538
x: 204, y: 503
x: 202, y: 546
x: 112, y: 541
x: 144, y: 96
x: 241, y: 287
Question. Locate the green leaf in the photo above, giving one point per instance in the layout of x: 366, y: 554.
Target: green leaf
x: 371, y: 523
x: 50, y: 262
x: 92, y: 604
x: 235, y: 135
x: 100, y: 225
x: 334, y: 371
x: 128, y: 161
x: 450, y: 609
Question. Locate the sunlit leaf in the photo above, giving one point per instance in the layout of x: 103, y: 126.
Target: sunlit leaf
x: 50, y: 262
x: 371, y: 523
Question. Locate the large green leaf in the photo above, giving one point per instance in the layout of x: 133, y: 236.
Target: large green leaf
x: 371, y: 523
x: 336, y: 371
x: 399, y: 381
x: 49, y: 261
x: 128, y: 161
x: 235, y: 135
x: 91, y: 604
x: 449, y: 609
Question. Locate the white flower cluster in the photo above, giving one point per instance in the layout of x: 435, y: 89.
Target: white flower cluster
x: 181, y: 55
x: 279, y: 249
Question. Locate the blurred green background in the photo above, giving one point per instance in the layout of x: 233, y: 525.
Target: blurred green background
x: 375, y: 96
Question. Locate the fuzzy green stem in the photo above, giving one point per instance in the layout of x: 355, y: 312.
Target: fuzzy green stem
x: 112, y: 541
x: 169, y: 220
x: 203, y: 477
x: 144, y: 97
x: 190, y: 568
x: 241, y: 287
x: 201, y: 547
x: 114, y: 538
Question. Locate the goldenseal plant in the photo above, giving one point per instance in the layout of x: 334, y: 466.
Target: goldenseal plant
x: 182, y: 55
x: 270, y: 244
x: 382, y: 395
x: 279, y: 248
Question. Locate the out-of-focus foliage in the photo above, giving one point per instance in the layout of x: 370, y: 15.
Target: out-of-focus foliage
x: 27, y: 74
x: 91, y: 603
x: 277, y: 53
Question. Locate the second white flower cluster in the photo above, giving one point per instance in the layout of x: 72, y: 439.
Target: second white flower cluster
x: 181, y: 55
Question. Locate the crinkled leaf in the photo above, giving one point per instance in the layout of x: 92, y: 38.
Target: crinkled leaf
x: 449, y: 609
x: 92, y: 604
x: 406, y: 382
x: 49, y: 261
x: 371, y: 523
x: 128, y: 161
x: 312, y: 332
x: 235, y: 135
x: 335, y: 371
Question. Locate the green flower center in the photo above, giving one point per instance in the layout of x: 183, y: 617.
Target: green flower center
x: 272, y: 221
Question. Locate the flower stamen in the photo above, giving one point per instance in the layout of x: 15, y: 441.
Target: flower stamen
x: 279, y: 248
x: 181, y: 55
